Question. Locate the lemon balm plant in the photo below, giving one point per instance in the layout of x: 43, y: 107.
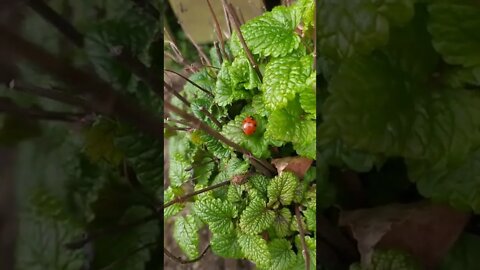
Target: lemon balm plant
x: 253, y: 102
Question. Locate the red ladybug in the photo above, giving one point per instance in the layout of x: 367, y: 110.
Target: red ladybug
x: 249, y: 125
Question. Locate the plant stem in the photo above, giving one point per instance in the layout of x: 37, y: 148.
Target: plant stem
x: 236, y: 24
x: 218, y: 30
x: 186, y: 102
x: 190, y: 81
x: 227, y: 21
x: 203, y: 56
x: 189, y: 195
x: 60, y: 23
x: 10, y: 107
x: 306, y: 254
x: 50, y: 94
x: 180, y: 260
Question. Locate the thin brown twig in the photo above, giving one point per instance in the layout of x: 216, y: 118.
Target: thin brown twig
x: 305, y: 252
x: 218, y: 30
x: 236, y: 24
x: 189, y: 195
x: 227, y: 21
x: 190, y: 81
x: 219, y: 53
x: 180, y: 260
x: 52, y: 94
x: 60, y: 23
x: 203, y: 56
x: 8, y: 106
x: 188, y: 104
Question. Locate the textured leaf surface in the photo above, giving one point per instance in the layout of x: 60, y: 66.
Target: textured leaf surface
x: 185, y: 232
x: 256, y: 217
x: 226, y: 245
x: 281, y: 253
x: 289, y: 125
x: 217, y: 214
x: 284, y: 78
x: 458, y: 185
x: 174, y: 209
x: 227, y: 88
x: 281, y: 222
x: 282, y: 188
x: 454, y: 26
x: 255, y: 249
x: 273, y: 33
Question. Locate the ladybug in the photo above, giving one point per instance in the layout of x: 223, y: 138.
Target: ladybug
x: 249, y: 125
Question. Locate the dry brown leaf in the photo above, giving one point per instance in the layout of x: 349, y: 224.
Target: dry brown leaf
x: 425, y: 230
x: 298, y: 165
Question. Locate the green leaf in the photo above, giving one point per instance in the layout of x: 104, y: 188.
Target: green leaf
x: 218, y: 214
x: 290, y: 125
x: 177, y: 172
x: 255, y: 249
x: 281, y: 222
x: 346, y: 28
x: 145, y: 154
x: 203, y: 167
x: 227, y: 90
x: 256, y: 217
x: 307, y: 10
x: 205, y: 79
x: 282, y: 254
x: 132, y: 32
x: 282, y: 188
x: 308, y: 97
x: 226, y: 245
x: 185, y: 232
x: 284, y: 78
x: 174, y: 209
x: 243, y: 74
x: 454, y: 26
x: 214, y: 146
x: 456, y: 185
x: 375, y: 110
x: 464, y: 254
x: 260, y: 183
x: 311, y: 218
x: 271, y: 34
x: 99, y: 142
